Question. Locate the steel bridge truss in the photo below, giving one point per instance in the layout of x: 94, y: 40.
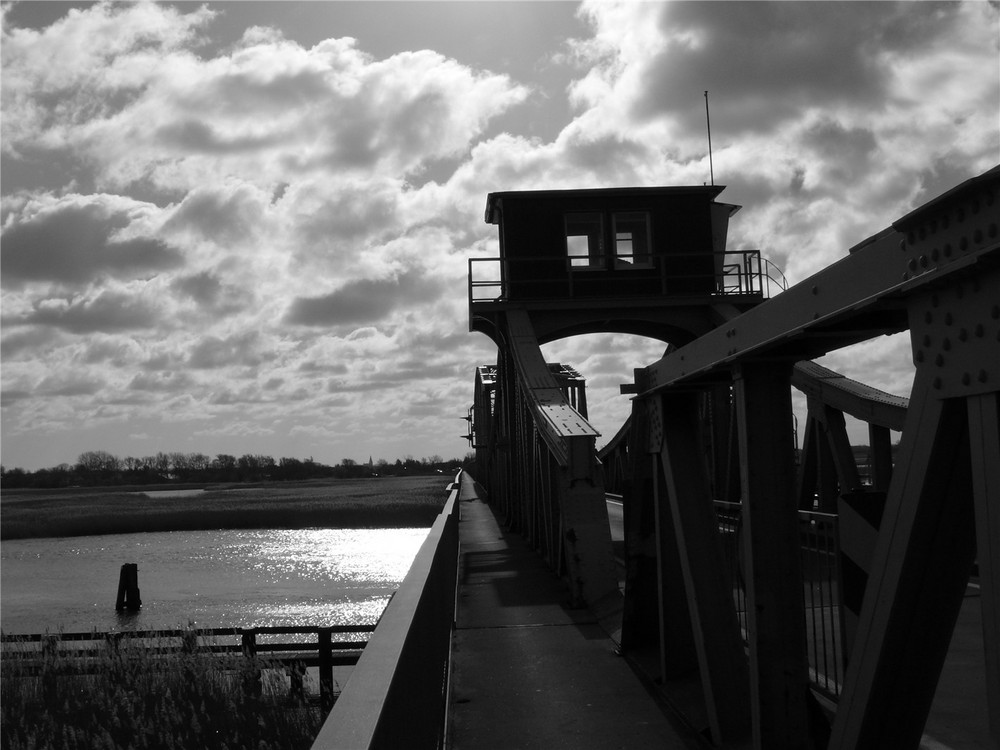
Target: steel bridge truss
x: 712, y: 426
x: 537, y: 459
x: 936, y: 272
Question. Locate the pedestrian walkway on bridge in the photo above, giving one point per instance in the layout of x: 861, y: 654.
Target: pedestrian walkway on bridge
x: 529, y: 671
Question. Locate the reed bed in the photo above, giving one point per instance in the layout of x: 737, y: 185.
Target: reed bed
x: 389, y: 502
x: 128, y: 696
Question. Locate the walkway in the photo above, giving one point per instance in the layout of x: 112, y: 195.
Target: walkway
x: 529, y: 672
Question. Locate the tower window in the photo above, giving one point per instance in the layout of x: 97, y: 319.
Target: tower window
x: 585, y: 240
x: 632, y: 245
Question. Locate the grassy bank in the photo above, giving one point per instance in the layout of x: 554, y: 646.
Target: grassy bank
x: 389, y: 502
x: 132, y: 699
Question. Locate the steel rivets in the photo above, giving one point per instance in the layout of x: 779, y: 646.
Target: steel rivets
x: 995, y: 312
x: 963, y: 335
x: 919, y: 356
x: 928, y: 318
x: 983, y: 376
x: 927, y: 339
x: 946, y: 345
x: 912, y: 264
x: 979, y: 330
x: 947, y: 250
x: 939, y: 360
x: 966, y: 378
x: 937, y: 383
x: 923, y: 261
x: 948, y: 319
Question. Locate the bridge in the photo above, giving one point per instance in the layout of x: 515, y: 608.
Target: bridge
x: 760, y: 593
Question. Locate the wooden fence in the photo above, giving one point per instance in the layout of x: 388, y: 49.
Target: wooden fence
x: 294, y: 648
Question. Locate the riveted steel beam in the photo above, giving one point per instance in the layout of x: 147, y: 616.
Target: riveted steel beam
x: 861, y: 296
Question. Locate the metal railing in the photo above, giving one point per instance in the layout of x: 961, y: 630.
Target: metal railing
x: 821, y: 589
x: 741, y: 272
x: 397, y: 695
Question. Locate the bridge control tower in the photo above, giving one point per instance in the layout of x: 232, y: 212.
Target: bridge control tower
x: 647, y: 261
x: 650, y: 261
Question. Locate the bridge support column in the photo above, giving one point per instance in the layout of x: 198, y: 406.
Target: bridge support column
x: 984, y: 431
x: 642, y: 616
x: 778, y: 662
x: 709, y: 594
x: 677, y: 645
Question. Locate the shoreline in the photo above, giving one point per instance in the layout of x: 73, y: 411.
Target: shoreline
x: 389, y: 502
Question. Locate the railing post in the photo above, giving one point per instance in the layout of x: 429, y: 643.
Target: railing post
x: 325, y: 669
x: 252, y: 680
x: 248, y: 641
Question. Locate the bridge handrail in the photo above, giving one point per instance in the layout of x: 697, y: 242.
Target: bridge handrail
x: 734, y: 272
x: 397, y: 694
x: 568, y: 434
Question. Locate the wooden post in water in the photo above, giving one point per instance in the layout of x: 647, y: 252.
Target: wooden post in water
x: 128, y: 589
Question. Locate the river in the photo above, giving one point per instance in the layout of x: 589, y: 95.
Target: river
x: 222, y: 578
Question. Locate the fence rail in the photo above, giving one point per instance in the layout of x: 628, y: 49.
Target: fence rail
x: 292, y: 647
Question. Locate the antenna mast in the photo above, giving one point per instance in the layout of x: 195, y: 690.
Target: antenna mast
x: 708, y: 123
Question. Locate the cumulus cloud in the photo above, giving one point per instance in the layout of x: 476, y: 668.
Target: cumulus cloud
x: 106, y: 311
x: 197, y: 217
x: 270, y: 108
x: 69, y: 384
x: 227, y: 214
x: 243, y: 349
x: 75, y: 239
x: 363, y: 301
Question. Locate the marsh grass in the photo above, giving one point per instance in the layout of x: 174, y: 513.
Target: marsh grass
x: 389, y: 502
x: 139, y: 698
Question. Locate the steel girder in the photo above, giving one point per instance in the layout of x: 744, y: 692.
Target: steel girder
x: 936, y: 273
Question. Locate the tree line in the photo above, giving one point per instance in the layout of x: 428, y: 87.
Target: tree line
x: 101, y: 468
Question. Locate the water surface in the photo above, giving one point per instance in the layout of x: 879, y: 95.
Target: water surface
x: 221, y: 578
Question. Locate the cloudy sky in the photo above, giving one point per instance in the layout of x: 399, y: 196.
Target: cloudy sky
x: 244, y: 227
